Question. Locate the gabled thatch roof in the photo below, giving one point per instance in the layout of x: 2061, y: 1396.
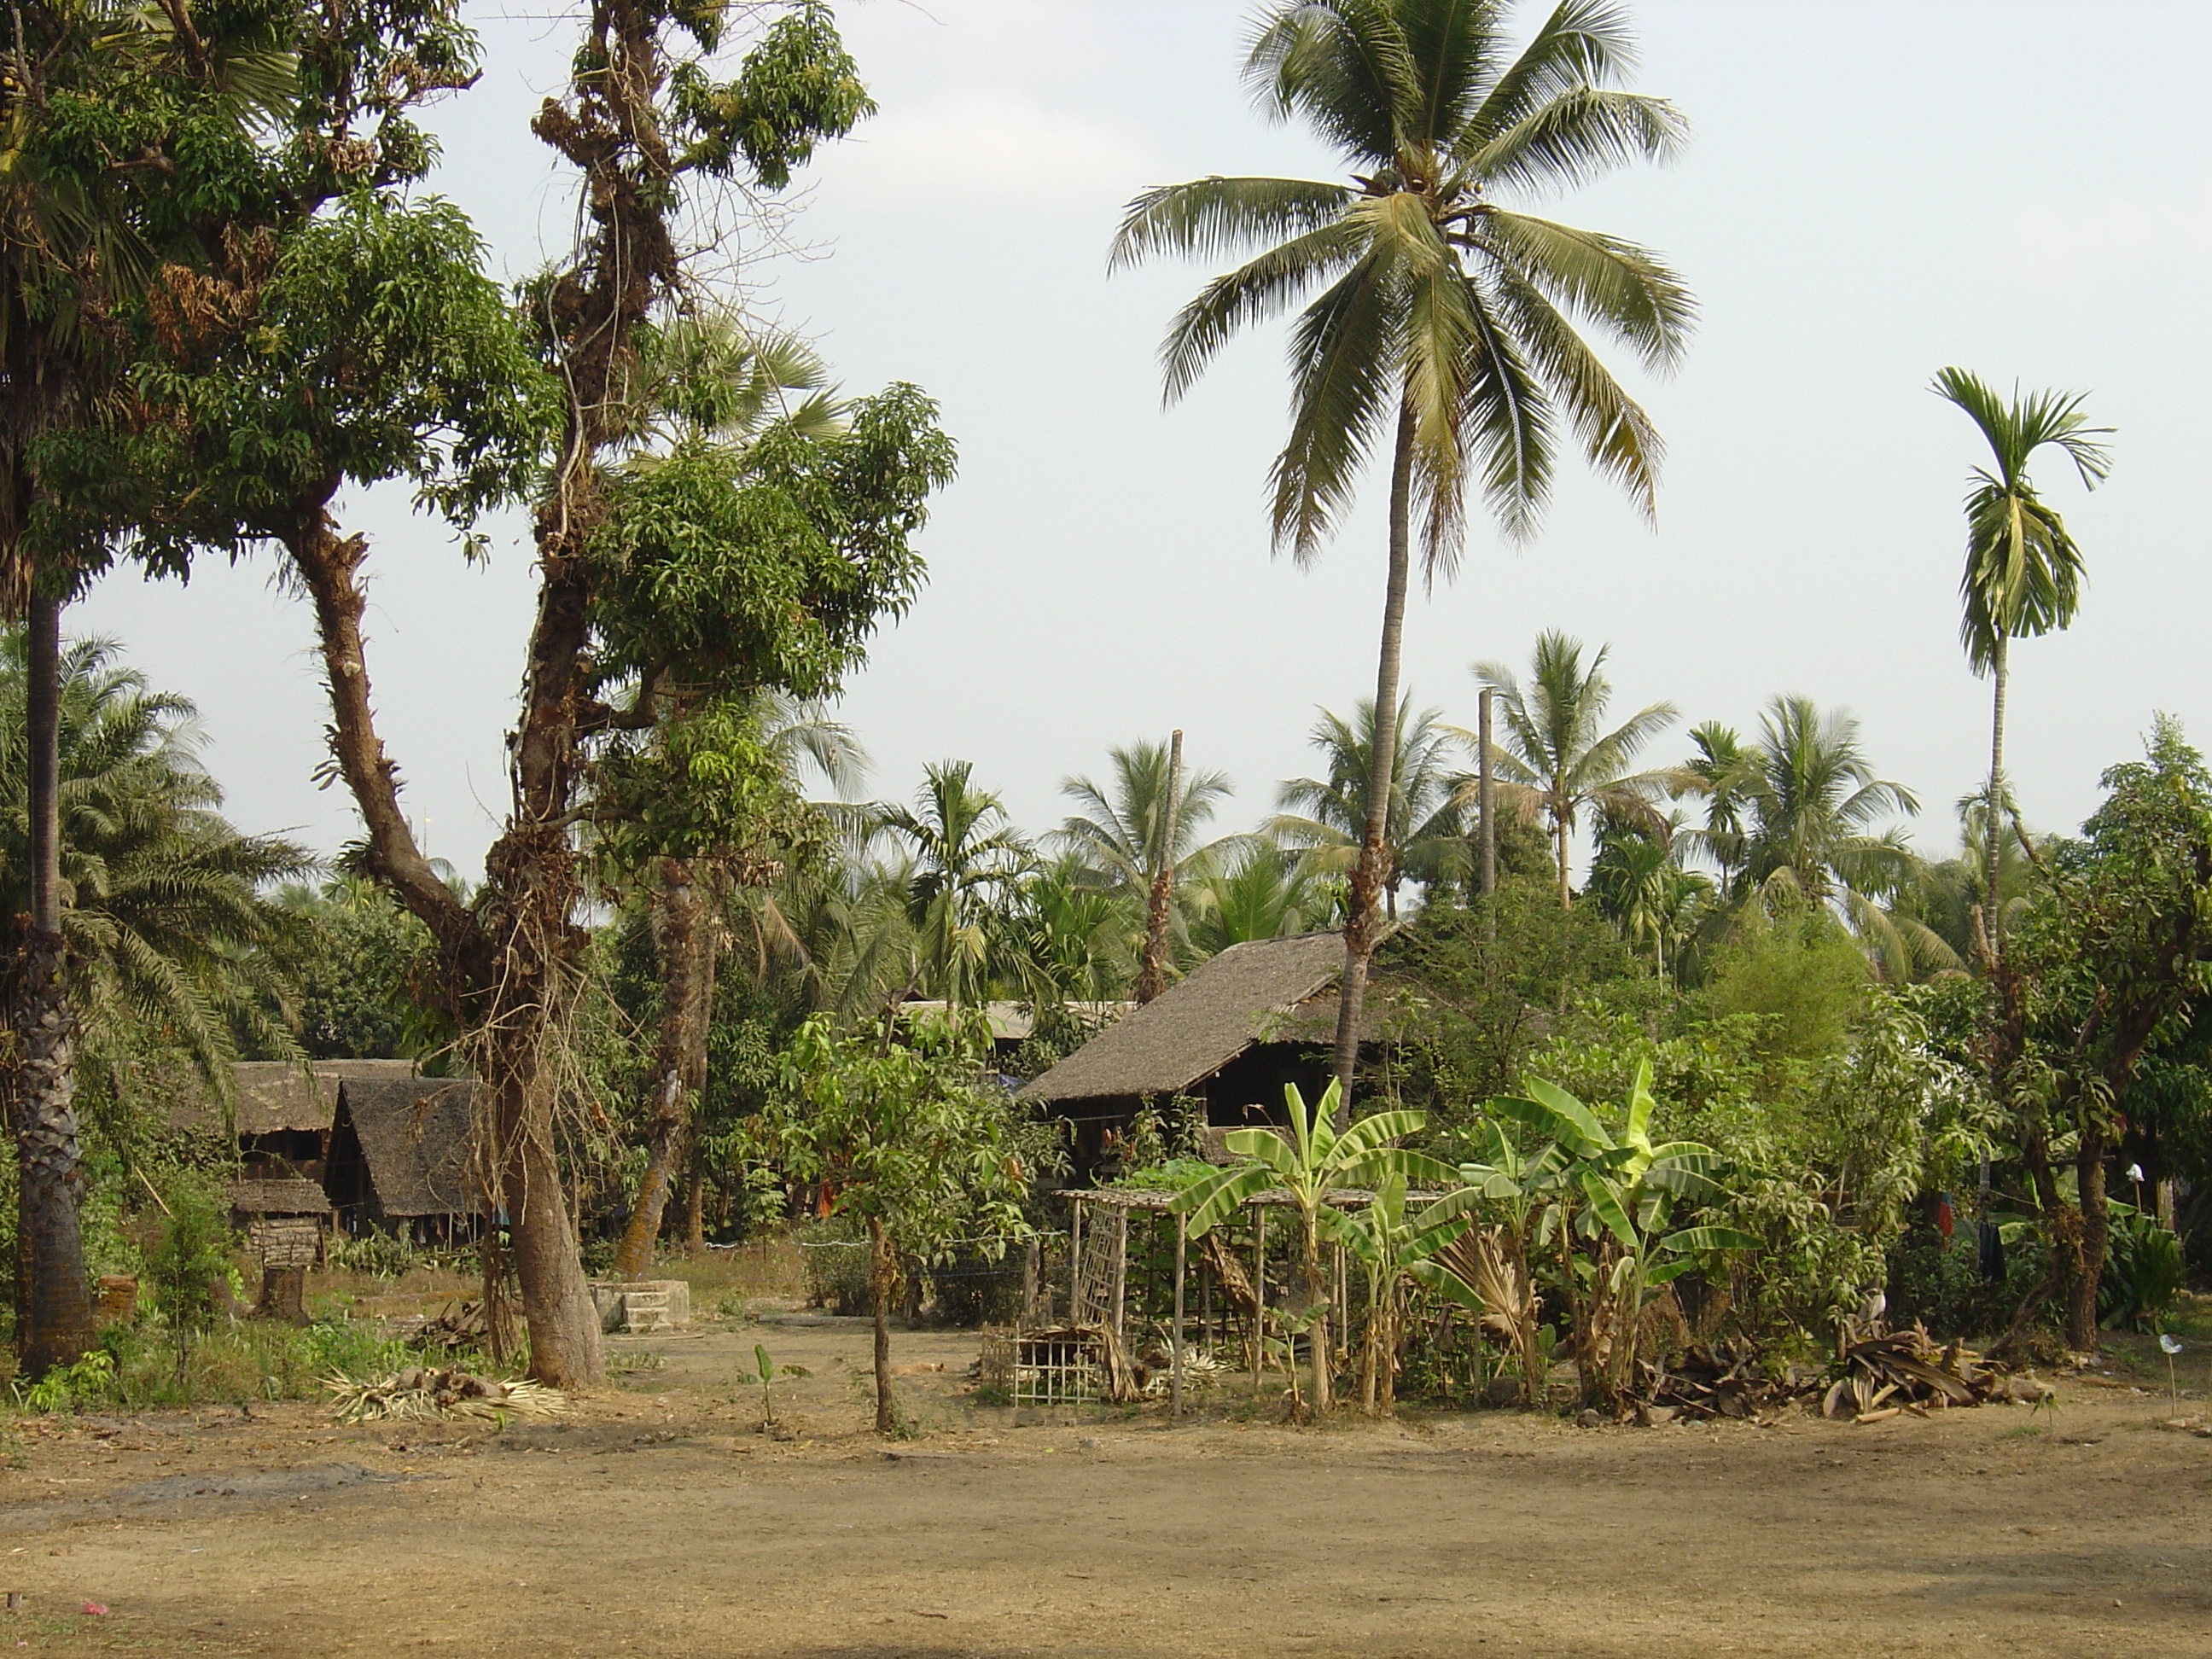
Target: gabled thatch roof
x: 293, y: 1197
x: 416, y: 1135
x: 274, y: 1095
x: 1249, y: 993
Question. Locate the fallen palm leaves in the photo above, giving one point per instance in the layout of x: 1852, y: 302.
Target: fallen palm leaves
x: 1879, y: 1374
x: 419, y: 1392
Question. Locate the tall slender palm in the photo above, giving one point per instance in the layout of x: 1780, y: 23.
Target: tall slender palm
x: 968, y: 861
x: 1442, y: 332
x: 2023, y: 574
x: 1640, y: 886
x: 1423, y: 832
x: 1556, y: 758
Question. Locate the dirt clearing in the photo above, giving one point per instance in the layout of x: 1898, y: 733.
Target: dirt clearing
x: 658, y: 1519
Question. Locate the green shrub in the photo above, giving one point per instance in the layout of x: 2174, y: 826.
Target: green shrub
x: 835, y: 1255
x: 377, y: 1254
x: 2144, y: 1273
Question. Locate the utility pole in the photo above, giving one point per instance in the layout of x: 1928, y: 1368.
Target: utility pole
x: 1485, y: 802
x: 1152, y: 975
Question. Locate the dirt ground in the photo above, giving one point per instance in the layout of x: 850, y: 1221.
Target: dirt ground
x: 658, y: 1519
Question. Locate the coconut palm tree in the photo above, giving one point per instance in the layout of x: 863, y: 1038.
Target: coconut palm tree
x: 1640, y: 886
x: 2023, y: 574
x: 1723, y: 770
x: 1256, y: 890
x: 1139, y: 837
x: 1424, y: 831
x: 1557, y: 759
x: 1443, y: 333
x: 967, y: 863
x: 1813, y: 818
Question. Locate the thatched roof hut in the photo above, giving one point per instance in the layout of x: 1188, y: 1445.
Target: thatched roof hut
x: 400, y: 1152
x: 1232, y: 1034
x: 293, y: 1197
x: 281, y: 1110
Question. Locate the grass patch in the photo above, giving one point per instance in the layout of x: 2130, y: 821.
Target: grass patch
x: 2021, y: 1431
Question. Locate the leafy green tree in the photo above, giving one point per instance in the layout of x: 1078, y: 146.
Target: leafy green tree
x: 2023, y: 575
x: 1076, y: 935
x: 1639, y: 885
x: 1141, y: 836
x: 908, y: 1142
x: 1619, y: 1195
x: 1809, y: 811
x: 1441, y: 335
x: 358, y: 977
x: 2117, y: 952
x: 82, y: 231
x: 697, y: 570
x: 1557, y: 759
x: 1424, y: 831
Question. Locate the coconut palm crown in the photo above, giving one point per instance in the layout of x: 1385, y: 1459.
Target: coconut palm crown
x: 1443, y: 330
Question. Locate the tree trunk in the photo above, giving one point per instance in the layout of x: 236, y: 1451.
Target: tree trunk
x: 1485, y: 799
x: 694, y: 1201
x: 882, y: 1280
x: 1361, y: 929
x: 1992, y: 921
x: 1153, y: 975
x: 1317, y: 1336
x: 2096, y: 1234
x: 1559, y: 843
x: 54, y: 1305
x: 505, y: 969
x: 680, y: 938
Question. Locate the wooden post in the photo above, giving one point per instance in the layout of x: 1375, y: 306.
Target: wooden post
x: 1174, y: 1348
x: 1120, y: 1268
x: 1032, y: 1270
x: 1259, y: 1292
x: 1204, y: 1305
x: 1485, y: 803
x: 1074, y: 1261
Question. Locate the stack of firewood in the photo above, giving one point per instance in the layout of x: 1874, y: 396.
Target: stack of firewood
x: 1879, y: 1373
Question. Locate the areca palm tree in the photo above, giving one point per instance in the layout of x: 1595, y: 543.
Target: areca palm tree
x: 1723, y: 770
x: 1557, y: 759
x: 2023, y: 574
x: 1443, y: 333
x: 1424, y: 830
x: 1641, y: 887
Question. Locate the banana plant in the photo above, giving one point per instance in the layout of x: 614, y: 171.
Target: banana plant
x: 1390, y: 1247
x: 1308, y: 1162
x: 1497, y: 1208
x: 1613, y: 1218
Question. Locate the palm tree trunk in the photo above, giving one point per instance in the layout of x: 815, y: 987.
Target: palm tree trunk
x: 1559, y: 842
x: 1361, y: 931
x: 1153, y: 975
x: 1992, y: 929
x: 54, y: 1309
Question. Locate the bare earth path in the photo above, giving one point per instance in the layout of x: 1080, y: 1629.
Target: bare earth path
x: 657, y: 1520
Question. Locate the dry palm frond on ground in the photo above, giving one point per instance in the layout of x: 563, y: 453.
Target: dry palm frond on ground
x: 418, y: 1392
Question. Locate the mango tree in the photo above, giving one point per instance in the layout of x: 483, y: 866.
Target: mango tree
x: 909, y: 1138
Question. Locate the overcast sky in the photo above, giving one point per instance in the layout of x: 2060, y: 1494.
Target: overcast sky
x: 1872, y: 191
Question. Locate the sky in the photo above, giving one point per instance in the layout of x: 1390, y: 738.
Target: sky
x: 1872, y: 191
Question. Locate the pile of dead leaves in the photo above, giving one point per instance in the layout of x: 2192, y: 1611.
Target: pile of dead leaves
x: 1724, y: 1380
x: 1885, y: 1372
x: 459, y: 1325
x: 1879, y: 1373
x: 420, y: 1392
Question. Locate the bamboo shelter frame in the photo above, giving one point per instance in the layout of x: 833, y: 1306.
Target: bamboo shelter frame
x: 1103, y: 1289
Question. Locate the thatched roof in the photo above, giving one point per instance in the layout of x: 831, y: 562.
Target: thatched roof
x: 1015, y: 1022
x: 1249, y: 993
x: 293, y: 1197
x: 416, y: 1134
x: 274, y: 1095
